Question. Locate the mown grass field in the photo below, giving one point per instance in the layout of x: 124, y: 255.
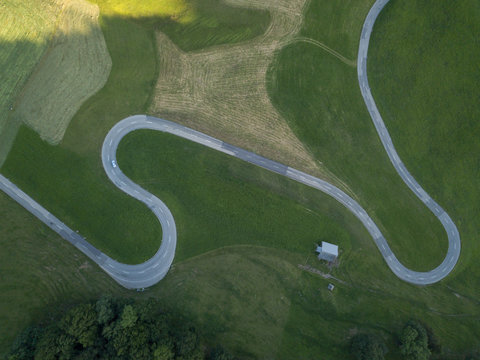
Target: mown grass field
x: 74, y: 67
x: 75, y: 164
x: 53, y: 57
x: 252, y: 297
x: 337, y: 24
x: 24, y: 36
x: 192, y: 24
x: 69, y: 179
x: 222, y: 91
x: 426, y: 84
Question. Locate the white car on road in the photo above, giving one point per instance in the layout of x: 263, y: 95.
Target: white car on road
x: 114, y: 164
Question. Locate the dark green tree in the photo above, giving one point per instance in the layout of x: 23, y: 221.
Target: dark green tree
x: 163, y: 352
x: 81, y: 323
x: 106, y: 310
x: 414, y: 342
x: 55, y: 344
x: 111, y: 329
x: 148, y: 310
x: 185, y: 341
x: 129, y: 337
x: 132, y: 342
x: 129, y: 317
x: 368, y: 347
x: 219, y: 353
x: 24, y: 345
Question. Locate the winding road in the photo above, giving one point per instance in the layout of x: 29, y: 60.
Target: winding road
x: 153, y: 270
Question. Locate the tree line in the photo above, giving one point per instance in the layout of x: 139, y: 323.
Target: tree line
x: 416, y: 342
x: 124, y: 329
x: 112, y: 328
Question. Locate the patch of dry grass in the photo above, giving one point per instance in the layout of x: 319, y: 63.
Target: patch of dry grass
x: 75, y: 66
x: 25, y: 31
x: 222, y: 90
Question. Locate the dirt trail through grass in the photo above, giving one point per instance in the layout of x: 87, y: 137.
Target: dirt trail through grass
x: 222, y: 90
x: 321, y: 45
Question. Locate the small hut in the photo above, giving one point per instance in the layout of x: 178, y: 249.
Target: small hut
x: 327, y: 251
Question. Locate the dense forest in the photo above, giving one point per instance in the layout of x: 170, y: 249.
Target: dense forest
x: 113, y: 328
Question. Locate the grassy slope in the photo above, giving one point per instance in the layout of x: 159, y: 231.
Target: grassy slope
x: 193, y: 24
x: 253, y: 299
x: 320, y: 98
x: 426, y: 86
x: 336, y: 24
x: 75, y: 66
x: 26, y: 29
x: 215, y: 23
x: 222, y: 202
x: 68, y: 179
x: 39, y: 269
x: 243, y: 283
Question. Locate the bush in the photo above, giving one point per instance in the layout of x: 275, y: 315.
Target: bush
x: 414, y: 342
x: 368, y: 347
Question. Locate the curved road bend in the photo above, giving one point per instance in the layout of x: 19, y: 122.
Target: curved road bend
x: 454, y: 243
x: 154, y: 269
x: 129, y: 276
x: 147, y: 122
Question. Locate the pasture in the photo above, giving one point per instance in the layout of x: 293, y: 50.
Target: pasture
x: 245, y: 270
x: 25, y: 36
x: 426, y: 87
x: 68, y: 179
x: 319, y: 96
x: 53, y: 57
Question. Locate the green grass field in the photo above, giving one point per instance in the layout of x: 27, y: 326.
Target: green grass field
x: 69, y: 179
x: 337, y: 24
x: 76, y: 160
x: 74, y: 67
x: 251, y: 297
x: 222, y: 202
x: 320, y: 97
x: 426, y: 85
x: 53, y: 57
x: 242, y: 231
x: 24, y: 37
x: 192, y: 24
x: 39, y: 270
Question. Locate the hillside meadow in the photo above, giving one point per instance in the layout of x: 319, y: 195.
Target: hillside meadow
x: 245, y: 270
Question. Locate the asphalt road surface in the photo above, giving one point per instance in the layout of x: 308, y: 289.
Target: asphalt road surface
x: 153, y: 270
x: 454, y: 243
